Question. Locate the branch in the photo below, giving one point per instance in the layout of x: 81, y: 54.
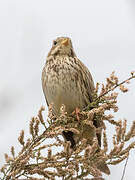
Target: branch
x: 124, y: 170
x: 117, y: 85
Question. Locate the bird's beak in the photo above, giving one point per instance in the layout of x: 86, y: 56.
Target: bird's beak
x: 65, y: 42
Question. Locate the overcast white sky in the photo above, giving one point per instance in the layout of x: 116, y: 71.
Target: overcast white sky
x: 103, y: 35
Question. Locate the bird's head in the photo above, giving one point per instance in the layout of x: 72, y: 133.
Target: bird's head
x: 62, y: 46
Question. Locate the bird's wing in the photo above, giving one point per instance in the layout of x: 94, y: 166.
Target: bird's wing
x: 87, y: 79
x: 89, y: 85
x: 44, y: 84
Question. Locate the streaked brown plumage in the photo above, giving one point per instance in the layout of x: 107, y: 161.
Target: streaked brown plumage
x: 66, y: 80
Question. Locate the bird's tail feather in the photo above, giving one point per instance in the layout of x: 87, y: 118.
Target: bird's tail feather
x: 103, y: 168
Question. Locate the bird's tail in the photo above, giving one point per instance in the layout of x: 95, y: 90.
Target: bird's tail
x: 103, y: 168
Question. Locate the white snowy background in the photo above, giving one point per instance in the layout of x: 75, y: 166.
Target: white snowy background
x: 103, y: 35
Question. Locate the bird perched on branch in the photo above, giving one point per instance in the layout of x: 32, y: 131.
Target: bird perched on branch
x: 66, y: 80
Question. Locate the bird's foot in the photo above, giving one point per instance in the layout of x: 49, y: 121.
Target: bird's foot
x: 76, y: 112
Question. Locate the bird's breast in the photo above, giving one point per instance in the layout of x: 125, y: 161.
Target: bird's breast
x: 62, y: 86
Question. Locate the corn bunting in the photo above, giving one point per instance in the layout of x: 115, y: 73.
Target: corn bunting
x: 66, y: 80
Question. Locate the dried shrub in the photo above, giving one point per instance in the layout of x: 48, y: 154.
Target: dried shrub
x: 39, y: 159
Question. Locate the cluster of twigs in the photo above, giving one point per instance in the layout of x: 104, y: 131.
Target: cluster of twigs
x: 46, y: 155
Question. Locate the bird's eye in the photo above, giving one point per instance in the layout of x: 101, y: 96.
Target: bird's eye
x: 54, y: 42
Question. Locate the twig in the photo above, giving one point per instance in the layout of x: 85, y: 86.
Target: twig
x: 117, y: 85
x: 124, y: 170
x: 96, y: 178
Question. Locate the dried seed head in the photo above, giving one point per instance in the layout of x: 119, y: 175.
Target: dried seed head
x: 13, y: 151
x: 132, y: 73
x: 21, y: 138
x: 123, y: 88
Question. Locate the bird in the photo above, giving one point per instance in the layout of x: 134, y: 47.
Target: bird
x: 66, y: 80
